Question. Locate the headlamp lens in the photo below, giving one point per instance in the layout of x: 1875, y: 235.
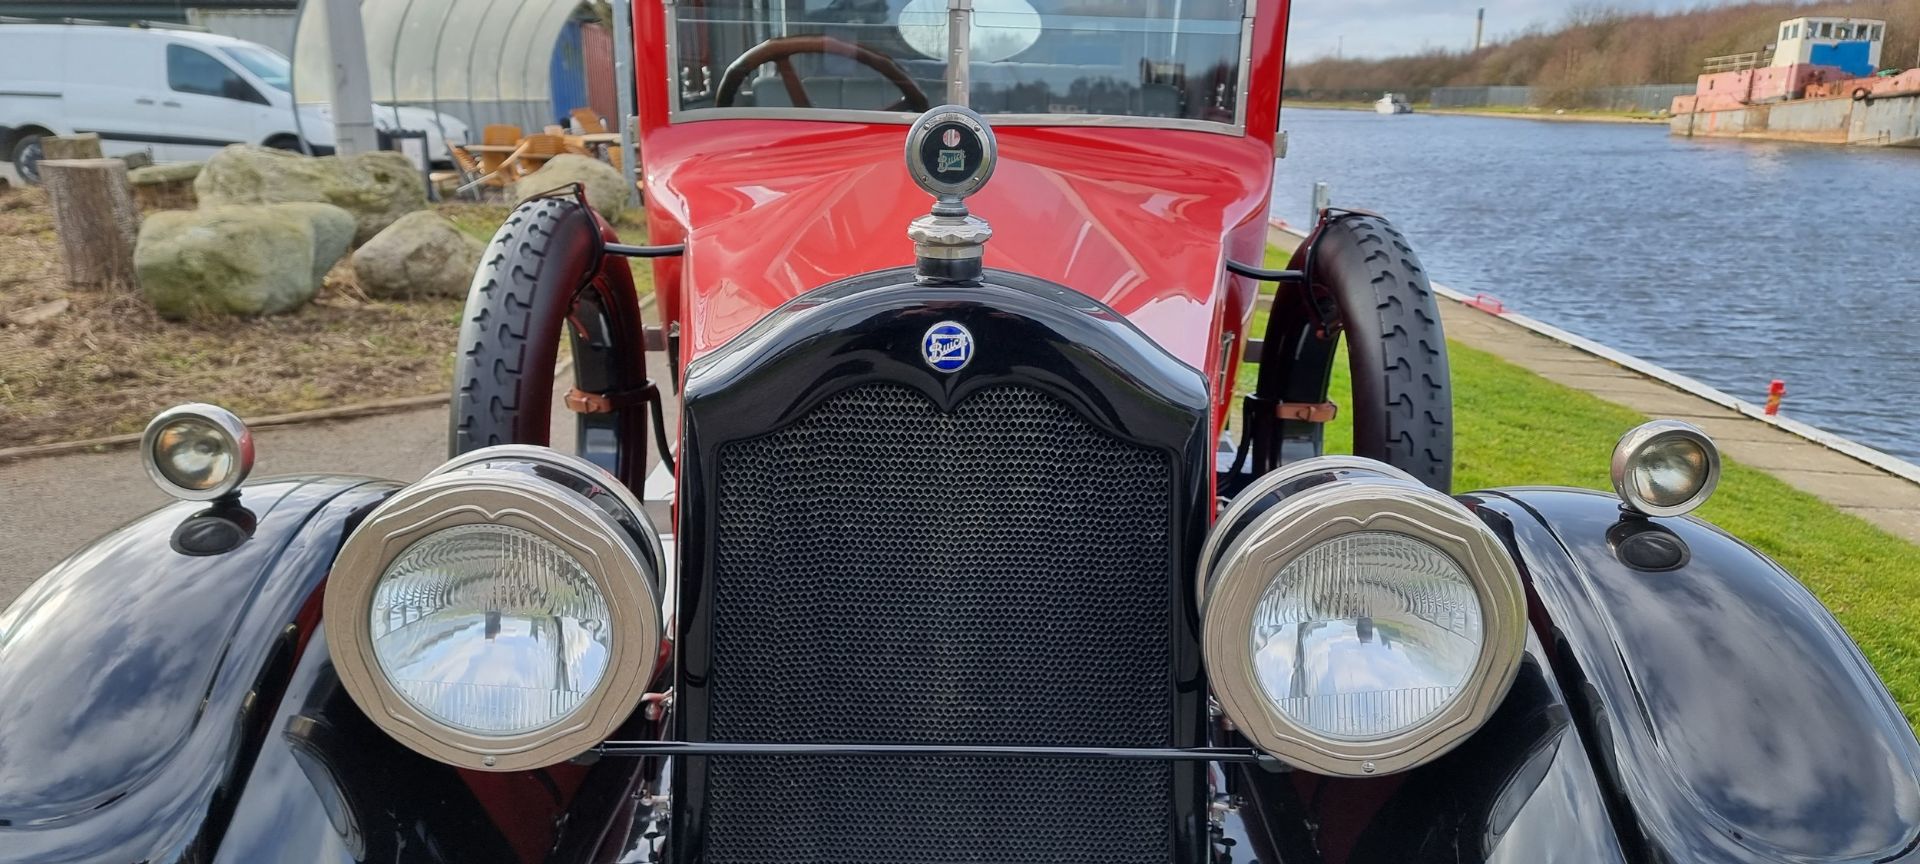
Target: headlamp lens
x: 1365, y: 635
x: 1669, y: 470
x: 193, y: 453
x: 490, y: 629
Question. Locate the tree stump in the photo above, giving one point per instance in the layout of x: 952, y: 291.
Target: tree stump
x: 94, y: 217
x: 85, y: 145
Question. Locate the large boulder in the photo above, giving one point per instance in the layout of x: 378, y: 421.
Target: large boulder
x: 226, y: 260
x: 421, y: 255
x: 606, y: 188
x: 377, y: 188
x: 333, y: 230
x: 172, y: 172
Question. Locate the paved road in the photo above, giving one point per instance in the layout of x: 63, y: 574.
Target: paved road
x: 50, y: 507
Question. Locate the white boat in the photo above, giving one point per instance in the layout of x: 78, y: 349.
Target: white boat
x: 1393, y: 103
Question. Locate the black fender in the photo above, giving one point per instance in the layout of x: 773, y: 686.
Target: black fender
x: 1730, y: 717
x: 166, y: 695
x: 1520, y: 791
x: 135, y: 676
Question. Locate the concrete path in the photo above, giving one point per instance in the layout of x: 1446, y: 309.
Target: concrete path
x: 51, y: 506
x: 1891, y: 502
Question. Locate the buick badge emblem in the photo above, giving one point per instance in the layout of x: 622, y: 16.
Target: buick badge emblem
x: 947, y: 347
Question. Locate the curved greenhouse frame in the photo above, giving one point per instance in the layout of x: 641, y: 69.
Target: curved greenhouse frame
x: 484, y: 61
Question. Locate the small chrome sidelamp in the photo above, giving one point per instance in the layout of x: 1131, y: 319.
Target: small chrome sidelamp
x: 951, y: 154
x: 1665, y: 468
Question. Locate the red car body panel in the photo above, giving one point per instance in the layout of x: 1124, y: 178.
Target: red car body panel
x: 1141, y: 219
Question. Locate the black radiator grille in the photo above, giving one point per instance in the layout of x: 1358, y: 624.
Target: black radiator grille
x: 888, y: 573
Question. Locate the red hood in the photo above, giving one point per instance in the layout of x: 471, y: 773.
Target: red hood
x: 1135, y: 218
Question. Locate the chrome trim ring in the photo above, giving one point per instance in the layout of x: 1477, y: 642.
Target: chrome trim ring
x: 1323, y: 513
x: 238, y: 436
x: 1265, y: 485
x: 1637, y: 439
x: 569, y: 463
x: 477, y: 495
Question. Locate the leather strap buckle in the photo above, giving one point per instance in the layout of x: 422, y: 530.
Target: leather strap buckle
x: 582, y: 402
x: 1307, y: 412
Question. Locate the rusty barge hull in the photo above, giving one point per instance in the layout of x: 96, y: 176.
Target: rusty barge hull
x: 1885, y: 121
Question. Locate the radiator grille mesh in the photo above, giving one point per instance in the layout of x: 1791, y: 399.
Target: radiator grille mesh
x: 889, y: 573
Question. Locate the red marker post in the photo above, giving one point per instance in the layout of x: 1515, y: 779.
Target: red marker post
x: 1775, y: 392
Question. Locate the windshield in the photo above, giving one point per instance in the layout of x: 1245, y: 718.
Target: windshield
x: 1176, y: 59
x: 271, y: 68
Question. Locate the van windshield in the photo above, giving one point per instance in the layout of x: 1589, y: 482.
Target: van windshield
x: 272, y: 68
x: 1174, y: 59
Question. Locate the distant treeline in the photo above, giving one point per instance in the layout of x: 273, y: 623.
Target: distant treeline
x: 1601, y: 46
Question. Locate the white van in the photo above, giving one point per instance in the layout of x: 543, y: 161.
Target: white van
x: 181, y: 94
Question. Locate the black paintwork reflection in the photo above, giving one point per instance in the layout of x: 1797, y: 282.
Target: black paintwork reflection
x: 329, y: 786
x: 133, y: 677
x: 869, y: 329
x: 1519, y: 791
x: 1733, y: 717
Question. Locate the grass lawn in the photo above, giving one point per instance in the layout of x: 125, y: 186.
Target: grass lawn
x: 1513, y: 428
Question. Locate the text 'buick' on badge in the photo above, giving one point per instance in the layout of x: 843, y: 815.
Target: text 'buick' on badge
x: 947, y: 347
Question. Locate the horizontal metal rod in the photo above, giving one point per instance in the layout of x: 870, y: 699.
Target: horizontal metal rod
x: 676, y: 249
x: 1263, y: 274
x: 1140, y: 754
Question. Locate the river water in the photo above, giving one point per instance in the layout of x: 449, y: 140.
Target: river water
x: 1734, y: 262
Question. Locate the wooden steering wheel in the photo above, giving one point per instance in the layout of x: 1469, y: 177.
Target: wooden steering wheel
x: 779, y: 52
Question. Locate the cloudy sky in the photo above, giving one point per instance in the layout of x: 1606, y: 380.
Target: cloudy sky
x: 1379, y: 28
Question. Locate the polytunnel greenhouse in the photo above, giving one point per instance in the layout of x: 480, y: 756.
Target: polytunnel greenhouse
x: 484, y: 61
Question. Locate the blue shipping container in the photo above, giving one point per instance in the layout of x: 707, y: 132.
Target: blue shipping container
x: 569, y: 74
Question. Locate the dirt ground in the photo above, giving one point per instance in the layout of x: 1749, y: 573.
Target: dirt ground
x: 105, y: 363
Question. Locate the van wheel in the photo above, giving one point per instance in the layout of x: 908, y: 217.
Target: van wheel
x: 284, y: 142
x: 26, y: 157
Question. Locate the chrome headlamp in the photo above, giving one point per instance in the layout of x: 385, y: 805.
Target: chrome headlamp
x: 502, y: 613
x: 197, y: 452
x: 1665, y: 468
x: 1356, y: 622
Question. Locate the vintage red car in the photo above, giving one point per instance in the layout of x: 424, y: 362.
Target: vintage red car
x: 958, y: 543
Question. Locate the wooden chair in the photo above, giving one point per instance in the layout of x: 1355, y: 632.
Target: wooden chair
x: 466, y: 169
x: 589, y: 122
x: 534, y: 152
x: 464, y: 161
x: 497, y: 135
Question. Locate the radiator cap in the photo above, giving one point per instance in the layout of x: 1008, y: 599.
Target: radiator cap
x: 950, y: 154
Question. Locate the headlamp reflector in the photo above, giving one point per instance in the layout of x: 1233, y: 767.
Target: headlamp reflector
x: 1365, y: 635
x: 490, y: 629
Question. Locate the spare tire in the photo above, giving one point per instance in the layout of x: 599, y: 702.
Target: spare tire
x: 1366, y: 285
x: 546, y: 273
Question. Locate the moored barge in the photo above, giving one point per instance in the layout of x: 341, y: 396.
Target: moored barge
x: 1822, y: 82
